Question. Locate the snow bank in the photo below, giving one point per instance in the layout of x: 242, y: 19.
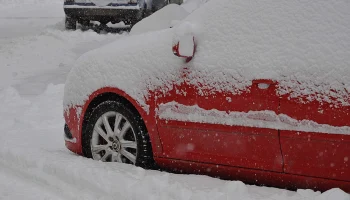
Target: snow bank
x: 305, y: 46
x: 162, y: 19
x: 46, y: 57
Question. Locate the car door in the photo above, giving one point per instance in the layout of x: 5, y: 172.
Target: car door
x: 217, y: 123
x: 317, y: 142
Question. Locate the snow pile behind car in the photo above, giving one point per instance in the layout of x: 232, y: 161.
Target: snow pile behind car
x: 305, y: 46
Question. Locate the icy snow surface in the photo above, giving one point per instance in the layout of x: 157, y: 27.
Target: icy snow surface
x: 305, y: 45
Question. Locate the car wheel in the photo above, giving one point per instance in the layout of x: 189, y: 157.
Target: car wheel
x: 70, y: 23
x: 115, y: 133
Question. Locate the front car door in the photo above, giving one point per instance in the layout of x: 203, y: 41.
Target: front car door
x: 220, y: 123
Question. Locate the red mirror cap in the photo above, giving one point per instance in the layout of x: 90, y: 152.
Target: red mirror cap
x: 176, y: 49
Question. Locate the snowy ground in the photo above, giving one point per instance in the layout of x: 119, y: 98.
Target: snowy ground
x: 35, y: 56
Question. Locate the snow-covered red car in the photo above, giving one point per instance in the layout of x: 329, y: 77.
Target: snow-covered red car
x: 256, y: 91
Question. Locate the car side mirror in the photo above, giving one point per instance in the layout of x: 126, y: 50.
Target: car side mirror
x: 185, y: 47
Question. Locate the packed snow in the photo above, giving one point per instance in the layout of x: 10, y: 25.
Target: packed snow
x: 260, y: 119
x: 36, y: 53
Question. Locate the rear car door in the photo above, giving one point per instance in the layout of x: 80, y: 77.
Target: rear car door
x: 317, y: 143
x: 215, y: 123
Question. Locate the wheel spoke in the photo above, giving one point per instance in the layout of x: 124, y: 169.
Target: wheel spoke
x: 124, y: 129
x: 98, y: 148
x: 128, y: 155
x: 128, y: 144
x: 101, y: 133
x: 107, y: 126
x: 105, y: 156
x: 118, y: 119
x: 117, y: 157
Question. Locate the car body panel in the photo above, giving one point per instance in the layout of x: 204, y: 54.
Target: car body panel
x: 317, y: 154
x: 218, y: 143
x: 257, y: 177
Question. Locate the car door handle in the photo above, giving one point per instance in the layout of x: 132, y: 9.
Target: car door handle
x: 263, y: 84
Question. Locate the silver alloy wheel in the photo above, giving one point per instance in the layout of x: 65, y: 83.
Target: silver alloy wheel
x: 113, y: 139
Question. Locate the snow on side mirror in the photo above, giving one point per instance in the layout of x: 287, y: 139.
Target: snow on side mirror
x: 185, y: 47
x: 184, y: 41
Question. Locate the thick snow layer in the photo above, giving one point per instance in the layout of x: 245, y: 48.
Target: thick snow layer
x: 162, y: 19
x: 191, y: 5
x: 260, y: 119
x: 34, y: 158
x: 304, y: 45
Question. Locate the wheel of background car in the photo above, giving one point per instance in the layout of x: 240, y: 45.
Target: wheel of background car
x: 70, y: 23
x: 115, y: 133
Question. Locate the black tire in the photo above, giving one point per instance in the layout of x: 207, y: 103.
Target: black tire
x: 70, y: 23
x: 84, y: 23
x: 144, y: 155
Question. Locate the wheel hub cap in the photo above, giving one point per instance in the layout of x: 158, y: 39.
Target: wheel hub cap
x: 116, y: 146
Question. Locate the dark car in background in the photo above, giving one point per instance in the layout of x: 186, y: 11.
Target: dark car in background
x: 114, y: 11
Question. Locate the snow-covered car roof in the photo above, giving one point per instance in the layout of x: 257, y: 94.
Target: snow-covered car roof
x: 304, y: 45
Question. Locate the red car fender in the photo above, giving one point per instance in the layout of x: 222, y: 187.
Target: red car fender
x: 74, y: 118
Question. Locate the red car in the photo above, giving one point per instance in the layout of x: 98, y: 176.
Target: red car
x: 258, y: 92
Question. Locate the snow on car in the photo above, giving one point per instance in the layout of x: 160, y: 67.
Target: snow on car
x: 263, y: 97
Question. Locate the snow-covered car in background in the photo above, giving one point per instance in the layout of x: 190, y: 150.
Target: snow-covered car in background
x: 166, y: 17
x: 258, y: 92
x: 114, y: 11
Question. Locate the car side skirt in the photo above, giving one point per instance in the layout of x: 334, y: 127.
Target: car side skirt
x: 250, y: 176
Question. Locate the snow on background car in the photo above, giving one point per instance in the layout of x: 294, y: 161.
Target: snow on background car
x: 167, y: 17
x: 35, y: 56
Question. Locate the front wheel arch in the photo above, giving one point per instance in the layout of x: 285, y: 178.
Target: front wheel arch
x: 109, y: 96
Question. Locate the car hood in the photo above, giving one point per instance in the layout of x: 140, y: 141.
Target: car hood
x: 135, y: 65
